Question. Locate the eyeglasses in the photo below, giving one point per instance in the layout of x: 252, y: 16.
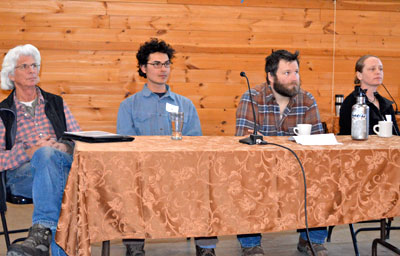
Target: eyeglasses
x: 25, y: 67
x: 158, y: 65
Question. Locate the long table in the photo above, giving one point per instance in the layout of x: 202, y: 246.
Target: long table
x: 155, y: 187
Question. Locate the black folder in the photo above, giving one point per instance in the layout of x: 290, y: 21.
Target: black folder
x: 96, y: 137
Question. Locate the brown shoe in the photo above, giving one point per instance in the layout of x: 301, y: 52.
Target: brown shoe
x: 319, y: 249
x: 252, y: 251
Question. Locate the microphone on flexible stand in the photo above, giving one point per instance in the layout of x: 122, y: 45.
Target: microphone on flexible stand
x: 253, y: 138
x: 396, y: 111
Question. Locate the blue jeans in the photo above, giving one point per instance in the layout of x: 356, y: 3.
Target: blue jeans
x: 249, y: 240
x: 317, y: 235
x: 43, y: 179
x: 206, y: 242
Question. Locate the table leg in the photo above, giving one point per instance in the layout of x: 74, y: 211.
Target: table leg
x: 105, y: 248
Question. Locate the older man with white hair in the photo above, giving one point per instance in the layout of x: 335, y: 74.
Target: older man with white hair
x: 32, y: 152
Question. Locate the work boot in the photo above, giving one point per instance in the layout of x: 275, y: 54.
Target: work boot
x: 204, y: 251
x: 36, y: 244
x: 304, y: 247
x: 252, y: 251
x: 135, y: 250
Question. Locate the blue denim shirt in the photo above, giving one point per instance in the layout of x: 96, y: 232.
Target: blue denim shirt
x: 144, y: 113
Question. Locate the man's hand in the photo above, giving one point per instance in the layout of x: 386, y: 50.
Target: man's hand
x: 30, y: 151
x: 61, y: 146
x: 46, y: 142
x: 247, y: 132
x: 42, y: 142
x: 250, y: 131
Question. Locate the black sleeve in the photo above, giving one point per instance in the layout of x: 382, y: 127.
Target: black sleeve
x: 345, y: 116
x: 396, y: 130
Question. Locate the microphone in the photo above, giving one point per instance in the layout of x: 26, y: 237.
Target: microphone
x: 253, y: 138
x: 396, y: 111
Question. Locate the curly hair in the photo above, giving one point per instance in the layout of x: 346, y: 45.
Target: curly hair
x: 149, y: 47
x: 272, y: 61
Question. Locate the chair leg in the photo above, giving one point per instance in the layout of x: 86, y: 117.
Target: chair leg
x: 374, y: 247
x: 388, y: 225
x: 5, y: 229
x: 105, y: 248
x: 330, y: 229
x: 354, y: 238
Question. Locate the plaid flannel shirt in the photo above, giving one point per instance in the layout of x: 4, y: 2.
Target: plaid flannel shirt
x: 29, y: 131
x: 301, y: 109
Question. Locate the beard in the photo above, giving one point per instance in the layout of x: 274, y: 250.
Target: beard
x: 284, y: 90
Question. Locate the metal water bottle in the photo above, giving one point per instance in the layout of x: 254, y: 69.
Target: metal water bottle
x: 360, y: 119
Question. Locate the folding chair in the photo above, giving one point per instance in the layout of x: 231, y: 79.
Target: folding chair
x: 6, y: 196
x: 388, y: 227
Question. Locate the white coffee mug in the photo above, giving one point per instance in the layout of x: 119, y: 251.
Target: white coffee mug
x: 383, y: 129
x: 302, y: 129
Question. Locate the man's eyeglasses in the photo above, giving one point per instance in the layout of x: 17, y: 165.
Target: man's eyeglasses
x: 27, y: 66
x: 158, y: 65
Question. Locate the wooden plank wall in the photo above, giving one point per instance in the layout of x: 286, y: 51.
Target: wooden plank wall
x: 88, y: 48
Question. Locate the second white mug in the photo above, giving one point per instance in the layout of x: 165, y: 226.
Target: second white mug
x: 302, y: 129
x: 383, y: 129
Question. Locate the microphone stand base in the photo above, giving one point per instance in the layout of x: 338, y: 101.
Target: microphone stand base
x: 252, y: 140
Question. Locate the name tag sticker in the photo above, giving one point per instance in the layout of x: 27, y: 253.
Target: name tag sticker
x: 171, y: 108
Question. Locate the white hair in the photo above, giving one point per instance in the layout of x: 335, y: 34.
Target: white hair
x: 10, y: 62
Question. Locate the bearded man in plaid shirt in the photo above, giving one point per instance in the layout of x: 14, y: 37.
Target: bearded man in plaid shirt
x: 280, y: 104
x: 32, y: 152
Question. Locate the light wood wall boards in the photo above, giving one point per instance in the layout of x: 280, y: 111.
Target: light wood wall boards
x: 88, y: 49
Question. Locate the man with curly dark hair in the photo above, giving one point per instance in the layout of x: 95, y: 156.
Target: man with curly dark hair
x: 147, y: 113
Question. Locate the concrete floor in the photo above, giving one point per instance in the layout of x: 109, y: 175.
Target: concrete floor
x: 275, y: 244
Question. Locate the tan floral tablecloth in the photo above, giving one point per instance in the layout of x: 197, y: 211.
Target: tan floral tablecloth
x: 155, y: 187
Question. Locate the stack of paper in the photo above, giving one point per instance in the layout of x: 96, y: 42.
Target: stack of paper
x: 317, y: 139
